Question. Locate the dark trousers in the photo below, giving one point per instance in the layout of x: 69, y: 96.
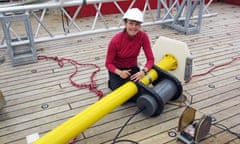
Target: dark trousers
x: 116, y: 81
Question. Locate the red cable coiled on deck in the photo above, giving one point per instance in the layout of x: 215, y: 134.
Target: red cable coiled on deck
x: 91, y: 86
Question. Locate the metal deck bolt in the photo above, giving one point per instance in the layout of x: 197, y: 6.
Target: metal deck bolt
x: 44, y: 106
x: 97, y: 58
x: 34, y: 71
x: 237, y: 77
x: 211, y: 86
x: 211, y: 64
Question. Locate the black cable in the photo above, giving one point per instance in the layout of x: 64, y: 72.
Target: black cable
x: 125, y: 140
x: 125, y: 124
x: 223, y: 127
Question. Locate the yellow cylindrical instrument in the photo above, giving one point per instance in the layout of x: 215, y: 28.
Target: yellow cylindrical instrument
x: 80, y: 122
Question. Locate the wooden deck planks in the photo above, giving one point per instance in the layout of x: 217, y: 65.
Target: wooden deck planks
x: 27, y: 87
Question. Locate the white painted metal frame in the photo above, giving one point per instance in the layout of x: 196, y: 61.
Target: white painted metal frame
x: 156, y: 18
x: 26, y: 54
x: 184, y: 9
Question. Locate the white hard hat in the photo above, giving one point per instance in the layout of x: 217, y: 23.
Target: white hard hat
x: 134, y: 14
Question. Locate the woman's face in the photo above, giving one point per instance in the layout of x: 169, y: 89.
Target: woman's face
x: 132, y: 27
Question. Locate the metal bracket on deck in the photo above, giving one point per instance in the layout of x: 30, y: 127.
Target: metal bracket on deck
x: 21, y: 54
x: 182, y: 14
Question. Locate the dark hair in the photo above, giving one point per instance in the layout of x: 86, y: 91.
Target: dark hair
x: 125, y: 21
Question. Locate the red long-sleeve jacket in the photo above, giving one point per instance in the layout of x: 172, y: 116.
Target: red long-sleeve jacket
x: 123, y: 51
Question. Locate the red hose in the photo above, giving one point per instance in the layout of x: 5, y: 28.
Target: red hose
x: 215, y: 67
x: 91, y: 86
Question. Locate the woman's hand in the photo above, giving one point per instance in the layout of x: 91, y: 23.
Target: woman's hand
x: 123, y: 73
x: 137, y: 76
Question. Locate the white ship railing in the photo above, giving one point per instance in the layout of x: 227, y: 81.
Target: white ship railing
x: 162, y: 15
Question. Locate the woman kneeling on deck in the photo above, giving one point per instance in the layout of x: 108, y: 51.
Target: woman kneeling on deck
x: 123, y: 51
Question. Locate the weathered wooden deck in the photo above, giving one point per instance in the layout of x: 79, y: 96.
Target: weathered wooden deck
x: 29, y: 87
